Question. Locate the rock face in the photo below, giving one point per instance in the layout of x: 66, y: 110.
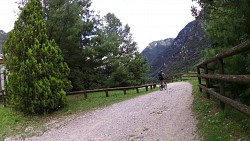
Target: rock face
x: 155, y: 48
x: 184, y: 52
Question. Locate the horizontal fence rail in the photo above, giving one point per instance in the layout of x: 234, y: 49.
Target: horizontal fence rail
x: 227, y: 78
x: 232, y: 51
x: 181, y: 76
x: 237, y: 105
x: 106, y: 90
x: 221, y: 77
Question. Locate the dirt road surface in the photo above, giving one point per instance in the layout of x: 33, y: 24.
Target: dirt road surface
x: 158, y: 116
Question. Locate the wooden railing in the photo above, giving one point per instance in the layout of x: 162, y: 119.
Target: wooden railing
x: 175, y: 77
x: 222, y: 77
x: 181, y: 76
x: 106, y: 90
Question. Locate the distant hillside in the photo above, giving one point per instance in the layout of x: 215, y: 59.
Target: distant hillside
x: 155, y: 48
x: 184, y: 52
x: 3, y: 37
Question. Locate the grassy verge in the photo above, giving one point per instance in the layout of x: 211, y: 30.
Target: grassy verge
x: 215, y: 124
x: 14, y: 123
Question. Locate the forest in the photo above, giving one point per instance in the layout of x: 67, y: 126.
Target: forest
x: 59, y: 46
x: 227, y: 25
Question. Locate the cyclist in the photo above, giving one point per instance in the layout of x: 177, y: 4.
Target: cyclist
x: 161, y: 77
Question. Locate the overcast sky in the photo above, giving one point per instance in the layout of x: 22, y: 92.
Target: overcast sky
x: 150, y: 20
x: 7, y: 15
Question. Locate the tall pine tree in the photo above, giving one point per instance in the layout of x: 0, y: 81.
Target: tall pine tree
x: 72, y: 25
x: 38, y: 78
x: 124, y: 56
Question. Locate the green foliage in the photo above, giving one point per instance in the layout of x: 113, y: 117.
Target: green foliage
x: 121, y: 76
x: 108, y: 63
x: 3, y: 37
x: 93, y: 48
x: 71, y: 24
x: 227, y: 24
x: 38, y: 78
x: 225, y: 30
x: 215, y: 124
x: 124, y: 65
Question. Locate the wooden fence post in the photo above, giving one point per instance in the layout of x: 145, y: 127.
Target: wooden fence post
x: 199, y: 79
x: 4, y: 100
x: 151, y: 86
x: 3, y: 94
x: 207, y: 81
x: 1, y: 89
x: 107, y: 93
x: 137, y: 90
x: 85, y: 95
x: 146, y: 88
x: 222, y: 86
x: 124, y: 91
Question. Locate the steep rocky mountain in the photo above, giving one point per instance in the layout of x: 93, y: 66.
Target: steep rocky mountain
x: 155, y: 48
x: 184, y: 52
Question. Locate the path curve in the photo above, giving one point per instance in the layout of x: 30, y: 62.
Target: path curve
x: 158, y: 116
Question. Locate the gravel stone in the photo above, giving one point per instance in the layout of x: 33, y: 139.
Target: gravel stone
x: 158, y: 116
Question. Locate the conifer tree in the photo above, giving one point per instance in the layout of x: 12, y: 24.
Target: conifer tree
x: 124, y: 63
x: 38, y: 77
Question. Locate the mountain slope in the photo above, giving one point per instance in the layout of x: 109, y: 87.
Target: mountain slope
x: 155, y: 48
x: 3, y: 37
x: 184, y: 52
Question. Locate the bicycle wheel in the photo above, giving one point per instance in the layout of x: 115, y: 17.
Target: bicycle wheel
x: 161, y: 87
x: 165, y: 87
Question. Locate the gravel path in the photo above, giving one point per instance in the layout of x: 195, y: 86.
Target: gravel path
x: 158, y: 116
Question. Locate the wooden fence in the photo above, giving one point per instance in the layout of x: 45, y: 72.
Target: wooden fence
x: 175, y: 77
x: 221, y: 77
x: 181, y: 76
x: 106, y: 90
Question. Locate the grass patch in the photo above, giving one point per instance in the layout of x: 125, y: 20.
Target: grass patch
x: 215, y: 124
x: 15, y: 123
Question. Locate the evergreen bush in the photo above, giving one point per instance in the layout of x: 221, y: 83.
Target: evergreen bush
x: 38, y: 76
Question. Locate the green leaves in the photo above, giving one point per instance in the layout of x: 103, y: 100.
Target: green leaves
x: 93, y: 48
x: 123, y: 64
x: 227, y: 24
x: 38, y: 76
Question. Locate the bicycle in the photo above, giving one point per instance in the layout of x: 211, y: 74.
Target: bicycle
x: 163, y: 86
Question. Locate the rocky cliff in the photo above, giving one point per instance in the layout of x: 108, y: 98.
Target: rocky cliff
x: 184, y: 52
x: 155, y: 48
